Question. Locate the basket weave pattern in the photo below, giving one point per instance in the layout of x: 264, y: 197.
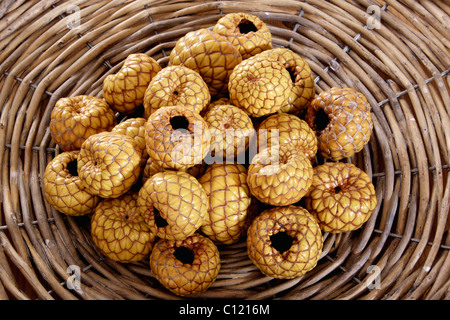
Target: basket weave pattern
x: 394, y: 52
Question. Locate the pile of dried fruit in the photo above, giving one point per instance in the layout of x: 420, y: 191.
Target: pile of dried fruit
x: 228, y: 124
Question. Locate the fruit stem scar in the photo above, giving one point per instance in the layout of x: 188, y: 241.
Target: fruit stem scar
x: 179, y: 122
x: 160, y: 221
x: 184, y: 254
x: 281, y: 241
x: 246, y: 26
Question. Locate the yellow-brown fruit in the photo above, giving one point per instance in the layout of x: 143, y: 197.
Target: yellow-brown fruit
x: 279, y: 176
x: 173, y: 204
x: 284, y: 242
x: 290, y: 130
x: 342, y: 197
x: 176, y: 85
x: 134, y: 128
x: 231, y: 131
x: 63, y: 188
x: 210, y: 54
x: 177, y: 137
x: 125, y: 90
x: 109, y: 164
x: 342, y: 121
x: 119, y: 230
x: 229, y: 199
x: 245, y: 31
x: 303, y: 90
x: 259, y: 86
x: 74, y: 119
x: 151, y: 168
x: 185, y: 267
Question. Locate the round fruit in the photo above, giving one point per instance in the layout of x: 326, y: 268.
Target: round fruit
x: 342, y: 121
x: 231, y: 131
x: 174, y: 204
x: 109, y: 164
x: 185, y: 267
x: 177, y: 137
x: 280, y: 176
x: 259, y: 86
x: 342, y: 197
x: 119, y: 230
x: 210, y: 54
x: 302, y: 78
x: 176, y: 85
x: 229, y: 199
x: 284, y: 242
x: 63, y: 188
x: 287, y: 129
x: 74, y: 119
x: 245, y: 31
x: 134, y: 128
x: 125, y: 90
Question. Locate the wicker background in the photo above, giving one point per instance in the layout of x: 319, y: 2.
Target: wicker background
x: 52, y: 49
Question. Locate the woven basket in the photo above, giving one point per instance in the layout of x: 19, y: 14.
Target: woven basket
x: 395, y: 52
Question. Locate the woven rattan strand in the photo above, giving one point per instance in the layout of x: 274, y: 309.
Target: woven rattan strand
x: 395, y: 52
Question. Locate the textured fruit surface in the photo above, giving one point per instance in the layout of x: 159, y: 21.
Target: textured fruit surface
x: 229, y: 199
x: 151, y: 168
x: 125, y: 90
x: 185, y: 267
x: 63, y: 188
x: 210, y: 54
x: 119, y: 230
x: 176, y: 85
x: 287, y: 129
x: 177, y: 137
x: 245, y: 31
x: 342, y: 121
x: 259, y: 86
x: 174, y: 204
x: 74, y: 119
x: 231, y: 131
x: 134, y: 128
x: 284, y: 242
x: 279, y: 176
x: 109, y: 164
x: 302, y: 78
x: 342, y: 197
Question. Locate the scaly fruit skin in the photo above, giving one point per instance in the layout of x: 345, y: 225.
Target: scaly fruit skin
x: 109, y: 164
x: 292, y: 131
x: 210, y: 54
x: 231, y: 131
x: 245, y: 31
x: 259, y: 86
x: 74, y: 119
x: 280, y: 176
x: 303, y: 90
x: 176, y: 85
x: 63, y: 189
x: 119, y: 230
x: 125, y: 90
x: 229, y: 199
x: 173, y: 204
x: 346, y: 114
x: 134, y: 128
x: 297, y: 259
x: 342, y: 197
x: 151, y: 168
x: 177, y: 137
x: 188, y: 277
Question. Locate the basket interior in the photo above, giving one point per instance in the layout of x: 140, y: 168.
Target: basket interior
x: 395, y: 52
